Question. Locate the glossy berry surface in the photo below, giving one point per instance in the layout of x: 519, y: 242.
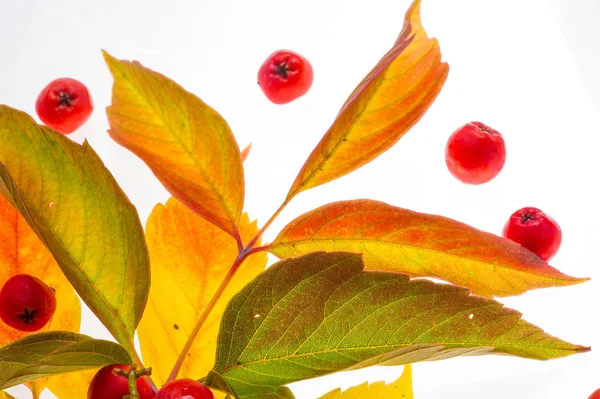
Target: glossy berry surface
x: 26, y: 303
x: 106, y: 385
x: 285, y: 76
x: 475, y: 153
x: 64, y: 105
x: 184, y: 389
x: 595, y: 395
x: 534, y: 230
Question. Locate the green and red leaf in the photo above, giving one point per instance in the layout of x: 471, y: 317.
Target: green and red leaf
x: 417, y: 244
x: 321, y: 313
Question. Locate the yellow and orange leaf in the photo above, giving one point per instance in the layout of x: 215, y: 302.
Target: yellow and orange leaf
x: 71, y: 385
x: 400, y: 240
x: 186, y: 143
x: 386, y: 104
x: 22, y: 252
x: 400, y: 389
x: 246, y: 151
x: 5, y: 395
x: 189, y: 259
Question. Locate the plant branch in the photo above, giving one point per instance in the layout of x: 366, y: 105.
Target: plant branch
x: 132, y: 375
x: 188, y: 345
x: 240, y: 244
x: 243, y: 253
x: 140, y: 365
x: 254, y: 250
x: 266, y: 226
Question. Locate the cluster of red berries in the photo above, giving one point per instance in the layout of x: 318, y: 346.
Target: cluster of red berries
x: 111, y: 383
x: 475, y: 154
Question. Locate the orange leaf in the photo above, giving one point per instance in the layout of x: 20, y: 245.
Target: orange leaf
x: 246, y: 151
x: 22, y: 252
x: 399, y: 240
x: 189, y: 258
x: 385, y: 105
x: 187, y: 144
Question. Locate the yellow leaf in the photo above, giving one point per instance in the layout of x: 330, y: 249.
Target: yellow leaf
x: 386, y: 104
x: 36, y: 387
x: 22, y: 252
x: 399, y: 389
x: 71, y: 385
x: 4, y: 395
x: 187, y: 144
x: 189, y: 259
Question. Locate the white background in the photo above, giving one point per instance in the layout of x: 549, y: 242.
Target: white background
x: 528, y: 68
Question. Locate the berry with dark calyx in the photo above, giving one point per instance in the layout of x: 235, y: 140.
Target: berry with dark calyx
x: 534, y: 230
x: 26, y: 303
x: 184, y: 389
x: 108, y: 385
x: 64, y: 104
x: 285, y: 76
x: 475, y: 153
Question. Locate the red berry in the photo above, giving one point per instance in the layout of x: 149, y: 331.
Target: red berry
x: 285, y: 76
x: 184, y: 389
x: 26, y: 303
x: 534, y: 230
x: 64, y: 105
x: 106, y: 385
x: 475, y: 153
x: 595, y: 395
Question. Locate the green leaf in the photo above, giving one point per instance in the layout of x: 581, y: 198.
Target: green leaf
x: 56, y: 352
x: 76, y: 208
x: 321, y: 313
x: 214, y: 380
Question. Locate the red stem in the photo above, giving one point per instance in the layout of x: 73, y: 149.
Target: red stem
x: 188, y: 345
